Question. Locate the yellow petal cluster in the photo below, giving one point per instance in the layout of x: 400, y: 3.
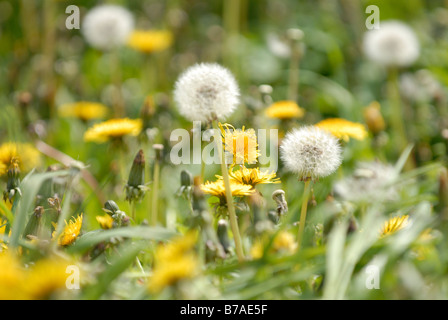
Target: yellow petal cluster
x: 252, y: 176
x: 40, y: 281
x: 70, y: 232
x: 113, y: 129
x: 83, y: 110
x: 174, y: 262
x: 285, y: 109
x: 27, y: 155
x: 284, y: 242
x: 240, y: 145
x: 343, y: 129
x: 393, y: 225
x: 150, y: 40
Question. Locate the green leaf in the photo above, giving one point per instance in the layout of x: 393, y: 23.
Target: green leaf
x: 30, y: 187
x: 119, y: 264
x: 92, y: 238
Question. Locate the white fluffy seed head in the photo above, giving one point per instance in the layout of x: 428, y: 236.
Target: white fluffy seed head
x: 393, y: 44
x: 107, y: 26
x: 205, y: 90
x: 311, y: 152
x: 370, y: 182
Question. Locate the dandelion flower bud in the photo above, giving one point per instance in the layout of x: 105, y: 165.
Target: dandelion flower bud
x: 311, y: 152
x: 205, y: 91
x: 136, y: 188
x: 107, y: 26
x: 393, y: 45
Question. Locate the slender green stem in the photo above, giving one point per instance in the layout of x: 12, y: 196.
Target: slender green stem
x: 396, y: 116
x: 155, y: 193
x: 231, y: 17
x: 118, y: 103
x: 294, y: 72
x: 229, y: 199
x: 306, y: 195
x: 132, y: 203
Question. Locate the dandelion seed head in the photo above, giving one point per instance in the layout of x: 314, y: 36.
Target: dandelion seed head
x: 394, y: 44
x: 107, y: 26
x: 205, y: 90
x: 369, y: 182
x: 311, y: 152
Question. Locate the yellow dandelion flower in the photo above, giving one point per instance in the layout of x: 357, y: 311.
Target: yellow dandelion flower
x: 70, y: 232
x: 83, y: 110
x: 167, y: 274
x: 174, y: 262
x: 240, y: 145
x: 45, y: 278
x: 218, y: 189
x: 284, y: 242
x: 12, y: 276
x: 176, y: 248
x: 150, y: 40
x: 343, y: 129
x: 105, y: 221
x: 373, y: 117
x: 393, y: 225
x: 25, y: 153
x: 252, y: 176
x: 113, y: 129
x: 285, y: 109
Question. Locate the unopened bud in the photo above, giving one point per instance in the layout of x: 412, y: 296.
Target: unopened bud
x: 186, y: 179
x: 111, y: 207
x: 137, y: 173
x: 136, y: 188
x: 223, y: 235
x: 13, y: 182
x: 373, y: 117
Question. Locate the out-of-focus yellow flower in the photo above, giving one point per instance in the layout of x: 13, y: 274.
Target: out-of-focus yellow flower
x: 393, y: 225
x: 38, y: 282
x: 113, y: 129
x: 343, y: 129
x: 284, y: 242
x: 12, y: 286
x: 240, y: 145
x: 285, y: 109
x: 25, y: 153
x: 174, y: 262
x: 150, y: 40
x: 373, y: 117
x: 218, y: 189
x: 70, y: 232
x: 252, y: 176
x: 45, y: 278
x: 83, y: 110
x: 105, y: 221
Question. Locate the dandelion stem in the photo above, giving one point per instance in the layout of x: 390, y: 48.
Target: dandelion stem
x: 118, y: 103
x: 231, y: 17
x: 306, y: 195
x: 155, y: 193
x: 229, y: 199
x: 396, y: 116
x: 294, y: 73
